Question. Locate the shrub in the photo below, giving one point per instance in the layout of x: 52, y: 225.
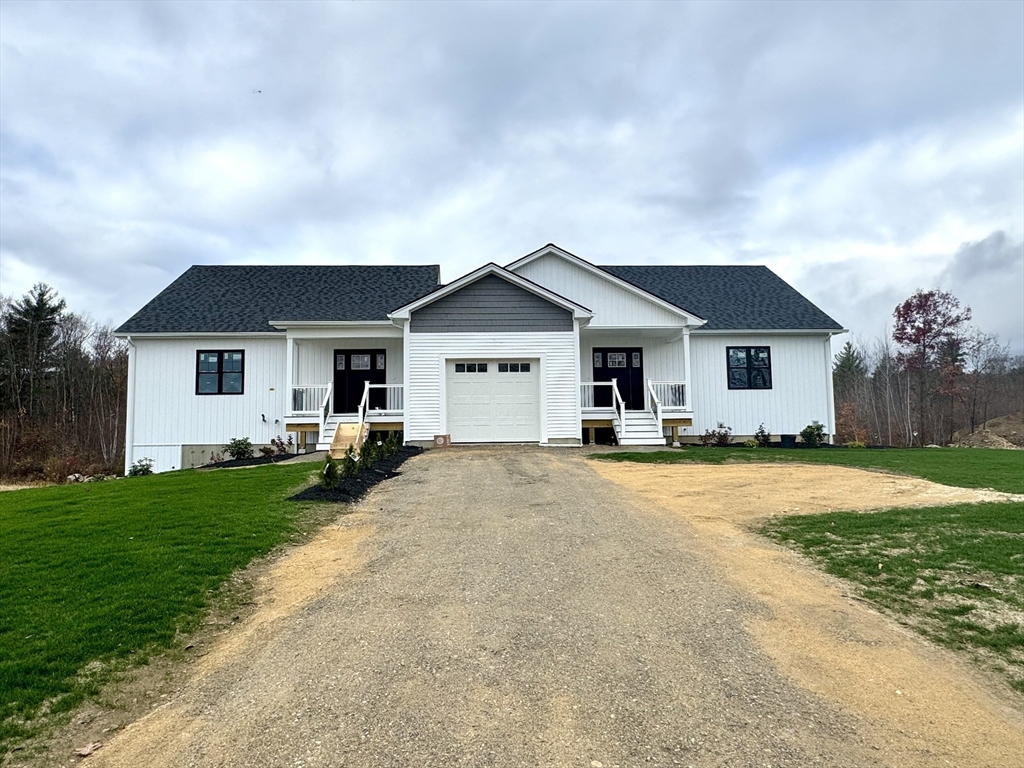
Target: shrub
x: 813, y: 435
x: 239, y: 448
x: 330, y: 474
x: 57, y: 468
x: 281, y: 447
x: 266, y: 450
x: 762, y: 437
x: 141, y: 467
x: 349, y: 465
x: 719, y: 438
x: 27, y: 468
x: 855, y: 444
x: 750, y: 443
x: 216, y: 457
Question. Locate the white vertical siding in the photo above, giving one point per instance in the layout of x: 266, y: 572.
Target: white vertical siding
x: 559, y: 377
x: 611, y: 305
x: 663, y: 360
x: 800, y: 384
x: 168, y: 413
x: 315, y: 358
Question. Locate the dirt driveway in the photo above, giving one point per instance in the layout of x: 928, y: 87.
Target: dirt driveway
x: 508, y: 607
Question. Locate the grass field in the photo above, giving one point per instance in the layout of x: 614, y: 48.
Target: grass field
x: 965, y: 467
x: 954, y: 574
x: 98, y: 574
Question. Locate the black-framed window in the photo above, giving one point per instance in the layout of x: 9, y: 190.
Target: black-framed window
x: 220, y: 372
x: 749, y: 367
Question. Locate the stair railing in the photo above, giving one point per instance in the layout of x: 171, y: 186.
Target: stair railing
x: 363, y: 405
x: 655, y: 404
x: 325, y: 408
x: 620, y: 411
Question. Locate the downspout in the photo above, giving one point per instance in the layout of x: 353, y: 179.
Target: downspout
x: 129, y: 421
x: 829, y: 390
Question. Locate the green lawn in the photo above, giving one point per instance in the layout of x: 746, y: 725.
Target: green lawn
x: 108, y: 572
x: 955, y: 574
x: 965, y: 467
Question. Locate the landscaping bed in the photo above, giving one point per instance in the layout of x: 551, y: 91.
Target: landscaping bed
x: 252, y: 461
x: 349, y: 489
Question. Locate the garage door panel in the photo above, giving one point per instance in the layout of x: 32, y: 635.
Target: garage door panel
x: 493, y: 406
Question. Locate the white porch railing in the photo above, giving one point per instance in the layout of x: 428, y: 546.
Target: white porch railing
x: 394, y: 398
x: 325, y: 407
x: 671, y: 394
x: 587, y: 398
x: 307, y: 399
x: 619, y: 423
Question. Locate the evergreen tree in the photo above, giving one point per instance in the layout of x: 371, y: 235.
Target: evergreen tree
x: 30, y: 335
x: 848, y: 371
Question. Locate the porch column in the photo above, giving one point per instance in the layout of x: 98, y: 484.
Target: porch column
x: 686, y: 368
x: 290, y: 376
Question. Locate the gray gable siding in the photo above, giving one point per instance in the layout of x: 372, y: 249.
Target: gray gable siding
x: 490, y: 305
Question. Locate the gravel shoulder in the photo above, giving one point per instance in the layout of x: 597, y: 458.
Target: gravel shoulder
x: 520, y: 606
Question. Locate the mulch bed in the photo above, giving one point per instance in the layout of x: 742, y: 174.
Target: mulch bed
x: 354, y: 488
x: 250, y: 462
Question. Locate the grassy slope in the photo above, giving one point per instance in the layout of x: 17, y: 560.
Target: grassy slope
x: 965, y: 467
x: 108, y: 571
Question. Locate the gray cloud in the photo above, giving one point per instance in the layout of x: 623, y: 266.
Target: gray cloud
x: 823, y: 140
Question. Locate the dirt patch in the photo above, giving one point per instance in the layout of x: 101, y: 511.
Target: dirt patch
x: 22, y: 487
x: 987, y: 439
x: 1009, y: 427
x: 924, y: 700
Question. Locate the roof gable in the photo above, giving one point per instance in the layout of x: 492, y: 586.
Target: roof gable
x: 244, y: 299
x: 568, y: 274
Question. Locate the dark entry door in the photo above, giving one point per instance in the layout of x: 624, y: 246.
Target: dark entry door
x: 626, y: 366
x: 352, y: 369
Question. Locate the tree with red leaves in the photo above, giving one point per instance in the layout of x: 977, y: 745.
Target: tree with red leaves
x: 928, y: 324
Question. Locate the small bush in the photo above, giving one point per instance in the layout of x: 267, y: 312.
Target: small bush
x: 330, y: 474
x: 57, y: 468
x: 27, y: 468
x: 349, y: 465
x: 239, y: 448
x: 813, y: 435
x: 282, y: 447
x: 266, y: 450
x: 719, y: 438
x: 855, y: 444
x: 141, y: 467
x: 763, y: 437
x: 750, y: 443
x: 216, y: 457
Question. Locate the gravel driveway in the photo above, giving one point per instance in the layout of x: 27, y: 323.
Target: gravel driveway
x: 515, y: 609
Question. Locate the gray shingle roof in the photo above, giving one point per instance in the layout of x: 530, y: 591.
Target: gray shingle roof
x: 730, y: 297
x: 243, y: 299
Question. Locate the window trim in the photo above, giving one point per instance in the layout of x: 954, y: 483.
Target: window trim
x: 748, y: 367
x: 220, y: 370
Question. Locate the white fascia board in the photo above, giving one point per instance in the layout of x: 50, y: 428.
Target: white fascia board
x: 578, y: 311
x: 768, y: 331
x: 202, y: 335
x: 691, y: 319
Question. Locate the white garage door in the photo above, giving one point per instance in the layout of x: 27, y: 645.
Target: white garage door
x: 493, y: 401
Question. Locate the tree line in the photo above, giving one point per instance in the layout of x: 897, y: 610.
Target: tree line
x: 63, y: 390
x: 933, y: 376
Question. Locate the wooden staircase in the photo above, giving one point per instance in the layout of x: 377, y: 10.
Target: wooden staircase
x: 346, y: 435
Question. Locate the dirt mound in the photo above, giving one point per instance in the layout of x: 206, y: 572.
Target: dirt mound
x: 987, y: 440
x: 1009, y: 427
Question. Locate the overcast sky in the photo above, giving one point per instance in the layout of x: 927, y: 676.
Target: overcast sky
x: 860, y: 150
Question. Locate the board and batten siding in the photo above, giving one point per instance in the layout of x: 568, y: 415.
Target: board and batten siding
x: 314, y: 358
x: 799, y: 393
x: 663, y: 360
x: 612, y: 305
x: 490, y: 304
x: 559, y: 378
x: 168, y: 413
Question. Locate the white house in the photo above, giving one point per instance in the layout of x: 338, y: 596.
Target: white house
x: 547, y: 349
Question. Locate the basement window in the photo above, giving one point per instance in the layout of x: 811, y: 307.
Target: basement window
x: 220, y: 372
x: 749, y: 367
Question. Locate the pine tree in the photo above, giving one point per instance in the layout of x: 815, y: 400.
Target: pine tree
x: 30, y: 331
